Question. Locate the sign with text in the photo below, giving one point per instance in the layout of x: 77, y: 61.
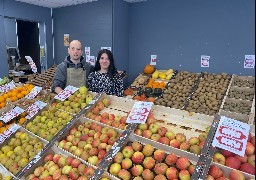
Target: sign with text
x: 153, y: 60
x: 108, y: 48
x: 35, y: 108
x: 139, y: 112
x: 231, y: 135
x: 91, y: 60
x: 34, y: 92
x: 249, y: 61
x: 205, y: 61
x: 31, y: 63
x: 7, y: 87
x: 66, y: 93
x: 8, y: 132
x: 11, y: 114
x: 87, y: 51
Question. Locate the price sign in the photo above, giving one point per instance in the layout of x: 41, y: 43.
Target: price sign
x: 7, y: 87
x: 249, y: 61
x: 34, y: 92
x: 139, y: 112
x: 153, y: 60
x: 11, y: 114
x: 231, y: 135
x: 205, y: 61
x: 8, y: 132
x: 66, y: 93
x: 35, y: 108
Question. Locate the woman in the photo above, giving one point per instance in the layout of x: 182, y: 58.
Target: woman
x: 105, y: 77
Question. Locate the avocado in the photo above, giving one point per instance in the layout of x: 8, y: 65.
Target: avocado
x: 148, y: 90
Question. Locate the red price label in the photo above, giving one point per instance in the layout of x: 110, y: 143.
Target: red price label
x: 139, y: 112
x: 7, y: 133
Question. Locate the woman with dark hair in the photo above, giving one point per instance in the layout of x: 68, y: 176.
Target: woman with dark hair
x: 105, y: 77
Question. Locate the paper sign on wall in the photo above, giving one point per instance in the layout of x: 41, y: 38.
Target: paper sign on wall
x: 66, y: 39
x: 231, y: 135
x: 108, y: 48
x: 205, y: 61
x: 139, y: 112
x: 249, y: 61
x: 87, y: 51
x: 41, y: 51
x: 153, y: 60
x: 91, y: 60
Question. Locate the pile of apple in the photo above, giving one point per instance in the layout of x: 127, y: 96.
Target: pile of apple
x: 75, y: 102
x: 217, y: 173
x: 117, y: 121
x: 19, y: 150
x: 58, y: 167
x: 48, y: 123
x: 161, y: 134
x: 146, y: 162
x: 89, y: 141
x: 245, y: 163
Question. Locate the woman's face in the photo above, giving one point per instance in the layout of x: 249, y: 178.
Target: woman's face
x: 104, y: 61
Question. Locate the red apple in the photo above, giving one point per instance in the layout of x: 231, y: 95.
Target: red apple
x: 139, y: 132
x: 170, y: 135
x: 75, y: 163
x: 185, y: 146
x: 172, y: 173
x: 48, y: 157
x: 114, y: 169
x: 124, y: 174
x: 155, y: 137
x: 128, y: 151
x: 249, y: 149
x: 160, y: 177
x: 137, y: 170
x: 160, y: 168
x: 175, y: 143
x: 215, y: 172
x: 184, y: 174
x: 118, y: 157
x: 136, y: 146
x: 236, y: 175
x: 159, y: 155
x: 242, y: 159
x: 126, y: 163
x: 69, y: 159
x: 102, y: 154
x: 162, y: 131
x: 194, y: 141
x: 251, y: 159
x: 56, y: 158
x: 181, y: 137
x: 253, y: 140
x: 81, y: 169
x: 233, y: 162
x: 147, y: 134
x: 182, y: 163
x: 73, y: 174
x: 248, y: 168
x: 164, y: 140
x: 148, y: 150
x: 137, y: 157
x: 226, y: 153
x: 219, y: 158
x: 171, y: 159
x: 191, y: 169
x: 147, y: 174
x: 149, y: 163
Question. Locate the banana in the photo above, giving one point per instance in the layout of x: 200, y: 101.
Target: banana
x: 4, y: 81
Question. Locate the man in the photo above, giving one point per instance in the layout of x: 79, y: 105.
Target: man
x: 73, y: 70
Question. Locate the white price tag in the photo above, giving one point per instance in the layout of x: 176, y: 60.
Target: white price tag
x: 153, y: 60
x: 87, y: 51
x: 108, y: 48
x: 66, y: 93
x: 7, y: 87
x: 231, y: 135
x: 11, y: 114
x: 34, y: 92
x: 205, y: 61
x: 139, y: 112
x: 8, y: 132
x: 249, y: 61
x: 34, y: 109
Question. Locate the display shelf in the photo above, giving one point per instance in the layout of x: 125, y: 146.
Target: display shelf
x: 244, y: 81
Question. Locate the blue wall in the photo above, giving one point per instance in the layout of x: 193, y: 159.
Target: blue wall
x: 23, y: 11
x: 91, y: 23
x: 180, y: 31
x: 121, y: 36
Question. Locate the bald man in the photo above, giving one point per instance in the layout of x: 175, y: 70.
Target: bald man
x: 73, y: 70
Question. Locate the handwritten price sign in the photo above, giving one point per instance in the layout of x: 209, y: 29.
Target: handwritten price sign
x: 11, y: 114
x: 12, y: 129
x: 34, y: 92
x: 231, y: 135
x: 35, y: 108
x: 66, y: 93
x: 7, y: 87
x: 139, y: 112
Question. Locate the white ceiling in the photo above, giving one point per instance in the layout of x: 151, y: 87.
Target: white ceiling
x: 63, y: 3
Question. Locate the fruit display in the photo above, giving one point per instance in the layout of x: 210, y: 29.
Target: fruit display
x: 75, y: 102
x: 15, y: 94
x: 48, y: 123
x: 4, y: 80
x: 244, y: 163
x: 5, y: 174
x: 152, y: 83
x: 179, y: 90
x: 163, y: 75
x: 147, y: 162
x: 106, y: 112
x: 237, y: 106
x: 209, y: 94
x: 244, y: 81
x: 20, y: 119
x: 19, y: 149
x: 139, y: 82
x: 89, y: 141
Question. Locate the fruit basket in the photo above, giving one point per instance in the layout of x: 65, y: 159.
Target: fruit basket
x: 60, y: 164
x: 88, y: 140
x: 111, y: 110
x: 19, y: 149
x: 164, y: 75
x: 140, y: 81
x: 146, y: 159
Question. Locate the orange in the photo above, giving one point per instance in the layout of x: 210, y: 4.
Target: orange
x: 2, y: 104
x: 22, y: 120
x: 2, y: 99
x: 9, y: 93
x: 20, y: 95
x: 2, y: 129
x: 14, y: 98
x: 6, y: 96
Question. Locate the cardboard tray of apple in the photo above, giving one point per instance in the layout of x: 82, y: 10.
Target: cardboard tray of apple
x: 19, y: 149
x: 5, y: 174
x: 60, y: 164
x: 146, y: 159
x: 48, y: 122
x: 111, y: 110
x: 75, y: 102
x: 88, y: 140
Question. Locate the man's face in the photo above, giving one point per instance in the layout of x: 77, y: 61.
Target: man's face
x: 75, y: 50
